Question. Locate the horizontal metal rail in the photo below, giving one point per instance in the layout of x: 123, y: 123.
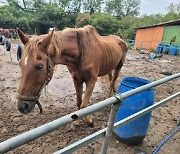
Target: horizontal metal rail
x: 33, y: 134
x: 147, y: 86
x: 145, y: 111
x: 101, y: 133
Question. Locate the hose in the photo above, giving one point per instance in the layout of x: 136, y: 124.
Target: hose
x: 166, y: 139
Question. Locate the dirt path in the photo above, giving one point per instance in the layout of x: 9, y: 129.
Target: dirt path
x: 61, y: 101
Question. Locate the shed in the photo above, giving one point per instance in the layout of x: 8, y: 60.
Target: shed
x: 42, y: 28
x: 171, y: 35
x: 148, y: 37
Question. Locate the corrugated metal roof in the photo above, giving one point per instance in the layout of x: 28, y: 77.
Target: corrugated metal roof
x: 174, y: 22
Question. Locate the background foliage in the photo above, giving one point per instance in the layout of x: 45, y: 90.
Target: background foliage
x: 107, y: 16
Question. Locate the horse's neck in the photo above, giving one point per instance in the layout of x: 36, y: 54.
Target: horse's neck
x: 70, y: 51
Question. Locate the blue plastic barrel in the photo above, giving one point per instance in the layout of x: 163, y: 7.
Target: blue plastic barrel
x: 159, y: 48
x: 134, y: 132
x: 173, y: 50
x: 165, y: 49
x: 132, y: 42
x: 178, y: 50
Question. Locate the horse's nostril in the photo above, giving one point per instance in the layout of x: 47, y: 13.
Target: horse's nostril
x: 26, y: 106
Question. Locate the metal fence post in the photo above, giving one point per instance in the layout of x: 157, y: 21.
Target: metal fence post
x: 110, y: 125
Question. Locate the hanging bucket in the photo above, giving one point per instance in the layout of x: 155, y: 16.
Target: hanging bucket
x: 165, y: 49
x: 173, y: 50
x: 134, y: 132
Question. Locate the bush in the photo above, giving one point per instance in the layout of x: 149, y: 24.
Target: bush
x: 83, y: 19
x: 104, y: 23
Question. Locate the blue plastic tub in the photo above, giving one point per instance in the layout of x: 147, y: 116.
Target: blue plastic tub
x: 173, y: 50
x: 159, y: 48
x: 134, y: 132
x: 165, y: 49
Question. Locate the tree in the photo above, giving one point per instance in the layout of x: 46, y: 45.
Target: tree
x: 27, y: 14
x: 75, y: 6
x: 81, y: 6
x: 173, y: 8
x: 83, y: 19
x: 92, y: 6
x: 17, y: 16
x: 104, y: 23
x: 4, y: 21
x: 123, y: 8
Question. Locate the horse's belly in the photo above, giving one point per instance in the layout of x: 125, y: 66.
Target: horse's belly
x: 110, y: 59
x: 106, y: 68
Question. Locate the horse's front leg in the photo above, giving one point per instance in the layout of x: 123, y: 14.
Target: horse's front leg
x: 88, y: 92
x: 79, y: 90
x: 78, y: 84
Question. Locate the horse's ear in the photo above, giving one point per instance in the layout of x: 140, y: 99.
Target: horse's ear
x: 23, y: 37
x: 44, y: 44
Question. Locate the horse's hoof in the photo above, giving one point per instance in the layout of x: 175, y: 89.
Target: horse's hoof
x: 74, y: 124
x: 90, y: 123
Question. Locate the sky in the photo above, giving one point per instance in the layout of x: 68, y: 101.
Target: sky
x: 155, y: 6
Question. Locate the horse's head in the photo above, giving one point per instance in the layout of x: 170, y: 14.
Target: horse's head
x: 36, y: 68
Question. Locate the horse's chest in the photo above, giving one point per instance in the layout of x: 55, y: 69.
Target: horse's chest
x: 81, y: 75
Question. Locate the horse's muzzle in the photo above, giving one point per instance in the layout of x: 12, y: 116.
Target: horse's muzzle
x: 26, y: 104
x: 25, y: 107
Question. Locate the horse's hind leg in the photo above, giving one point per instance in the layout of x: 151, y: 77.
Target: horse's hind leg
x: 117, y: 70
x: 114, y: 78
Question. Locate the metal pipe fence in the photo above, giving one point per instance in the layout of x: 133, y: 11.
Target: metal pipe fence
x: 33, y: 134
x: 73, y: 147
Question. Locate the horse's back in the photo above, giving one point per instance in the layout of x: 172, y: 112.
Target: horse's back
x: 116, y: 39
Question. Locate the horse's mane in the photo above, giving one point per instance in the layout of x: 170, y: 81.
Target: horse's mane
x: 30, y: 47
x: 55, y: 44
x: 87, y: 37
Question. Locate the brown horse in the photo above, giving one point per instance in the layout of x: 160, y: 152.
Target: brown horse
x: 5, y: 32
x: 86, y: 54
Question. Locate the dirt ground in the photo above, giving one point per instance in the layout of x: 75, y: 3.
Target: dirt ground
x: 61, y: 101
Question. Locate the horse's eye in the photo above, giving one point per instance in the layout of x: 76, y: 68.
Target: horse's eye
x: 39, y: 67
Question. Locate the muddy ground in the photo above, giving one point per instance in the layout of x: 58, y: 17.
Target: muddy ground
x: 61, y: 101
